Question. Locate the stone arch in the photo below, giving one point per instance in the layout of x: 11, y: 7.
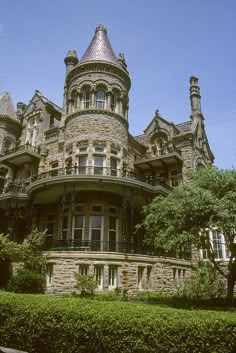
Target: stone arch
x: 116, y: 89
x: 101, y: 84
x: 161, y: 142
x: 84, y: 85
x: 160, y: 134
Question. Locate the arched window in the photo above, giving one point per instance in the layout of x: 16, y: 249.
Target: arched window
x: 100, y: 99
x: 86, y: 99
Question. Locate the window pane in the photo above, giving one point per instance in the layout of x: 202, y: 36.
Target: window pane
x: 217, y: 245
x: 78, y: 234
x: 79, y: 221
x: 97, y: 208
x: 112, y: 280
x: 86, y: 99
x: 99, y: 275
x: 96, y: 221
x: 100, y: 99
x: 83, y: 270
x: 99, y: 149
x: 96, y: 234
x: 112, y: 223
x: 112, y: 236
x: 82, y: 161
x: 98, y: 161
x: 113, y: 163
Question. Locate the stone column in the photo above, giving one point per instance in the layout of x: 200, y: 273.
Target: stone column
x: 108, y: 102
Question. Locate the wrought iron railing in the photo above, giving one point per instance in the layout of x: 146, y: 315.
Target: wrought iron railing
x: 110, y: 246
x: 26, y: 147
x: 102, y: 171
x: 158, y: 153
x: 18, y: 189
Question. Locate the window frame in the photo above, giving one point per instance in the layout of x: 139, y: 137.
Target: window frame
x: 112, y: 277
x: 87, y: 99
x: 100, y: 100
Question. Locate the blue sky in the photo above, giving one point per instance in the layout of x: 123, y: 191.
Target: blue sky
x: 164, y: 42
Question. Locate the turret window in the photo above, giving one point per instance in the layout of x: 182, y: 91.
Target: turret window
x: 100, y: 100
x: 87, y: 100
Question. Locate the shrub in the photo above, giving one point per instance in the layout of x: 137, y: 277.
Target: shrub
x: 39, y: 324
x: 205, y: 283
x: 85, y: 284
x: 26, y: 281
x: 6, y: 272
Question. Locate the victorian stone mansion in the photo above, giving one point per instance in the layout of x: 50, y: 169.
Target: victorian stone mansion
x: 79, y: 174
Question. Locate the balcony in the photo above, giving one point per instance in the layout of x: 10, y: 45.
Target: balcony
x: 100, y: 172
x: 158, y: 158
x: 13, y: 191
x: 21, y: 154
x: 110, y: 246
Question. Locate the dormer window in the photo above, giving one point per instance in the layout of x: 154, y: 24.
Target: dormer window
x: 100, y: 99
x: 87, y: 100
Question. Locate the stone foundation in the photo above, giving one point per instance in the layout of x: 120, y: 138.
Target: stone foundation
x: 131, y: 272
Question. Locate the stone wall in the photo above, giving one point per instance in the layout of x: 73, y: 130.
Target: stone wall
x: 134, y: 272
x: 96, y: 127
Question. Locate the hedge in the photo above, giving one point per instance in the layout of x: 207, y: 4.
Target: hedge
x: 41, y: 324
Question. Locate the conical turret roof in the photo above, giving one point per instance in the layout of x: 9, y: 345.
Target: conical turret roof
x: 6, y: 106
x: 100, y: 48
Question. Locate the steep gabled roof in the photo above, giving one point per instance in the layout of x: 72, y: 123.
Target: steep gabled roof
x: 6, y: 106
x: 38, y: 97
x: 184, y: 127
x: 100, y: 48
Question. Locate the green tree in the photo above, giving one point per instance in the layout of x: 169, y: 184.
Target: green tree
x: 28, y: 253
x: 31, y: 252
x: 9, y: 251
x: 183, y: 217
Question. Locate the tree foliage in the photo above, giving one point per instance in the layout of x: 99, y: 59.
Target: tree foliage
x: 85, y: 284
x: 205, y: 282
x: 9, y: 250
x: 207, y: 201
x: 26, y: 281
x: 29, y: 254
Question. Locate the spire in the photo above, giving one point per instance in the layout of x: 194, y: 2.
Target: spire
x: 6, y: 106
x: 195, y: 97
x: 100, y: 48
